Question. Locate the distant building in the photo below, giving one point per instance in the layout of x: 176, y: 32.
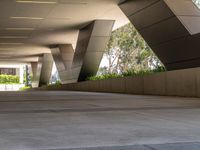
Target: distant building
x: 9, y: 71
x: 17, y: 70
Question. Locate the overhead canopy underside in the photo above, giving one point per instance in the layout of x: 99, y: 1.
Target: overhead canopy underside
x: 27, y: 28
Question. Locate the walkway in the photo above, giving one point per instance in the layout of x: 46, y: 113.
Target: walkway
x: 94, y: 121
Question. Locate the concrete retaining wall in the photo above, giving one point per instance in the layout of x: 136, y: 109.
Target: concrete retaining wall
x: 172, y: 83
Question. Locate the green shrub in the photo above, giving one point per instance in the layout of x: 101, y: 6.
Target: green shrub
x: 9, y: 79
x: 25, y: 88
x: 106, y: 76
x: 127, y: 74
x: 57, y: 84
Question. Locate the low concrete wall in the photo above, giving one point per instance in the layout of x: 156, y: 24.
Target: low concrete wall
x: 172, y: 83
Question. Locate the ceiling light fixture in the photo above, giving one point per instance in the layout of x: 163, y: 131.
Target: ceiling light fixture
x: 36, y: 2
x: 13, y: 37
x: 6, y: 49
x: 74, y: 3
x: 30, y: 18
x: 28, y: 29
x: 11, y: 43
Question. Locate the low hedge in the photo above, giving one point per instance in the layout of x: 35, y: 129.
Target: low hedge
x: 127, y: 74
x: 9, y: 79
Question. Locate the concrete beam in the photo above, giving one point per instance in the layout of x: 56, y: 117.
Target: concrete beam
x: 20, y: 59
x: 47, y: 65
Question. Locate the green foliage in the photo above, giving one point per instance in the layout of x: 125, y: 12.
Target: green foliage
x: 126, y: 51
x: 9, y: 79
x: 127, y: 74
x: 160, y: 69
x: 25, y: 88
x: 57, y: 84
x: 105, y: 76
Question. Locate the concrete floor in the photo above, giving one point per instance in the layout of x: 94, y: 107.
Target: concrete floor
x: 95, y: 121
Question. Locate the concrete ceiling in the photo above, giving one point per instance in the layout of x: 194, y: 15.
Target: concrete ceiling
x: 29, y: 27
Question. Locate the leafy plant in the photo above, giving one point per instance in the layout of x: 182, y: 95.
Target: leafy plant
x: 127, y: 74
x: 57, y: 84
x: 25, y: 88
x: 9, y: 79
x: 127, y: 50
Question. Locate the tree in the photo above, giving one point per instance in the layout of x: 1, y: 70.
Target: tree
x: 127, y: 50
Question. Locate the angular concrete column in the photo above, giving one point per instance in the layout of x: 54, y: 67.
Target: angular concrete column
x: 47, y: 65
x: 36, y: 72
x: 90, y: 48
x: 63, y: 57
x: 170, y: 27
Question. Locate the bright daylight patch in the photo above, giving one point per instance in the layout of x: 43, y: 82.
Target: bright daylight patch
x: 197, y: 3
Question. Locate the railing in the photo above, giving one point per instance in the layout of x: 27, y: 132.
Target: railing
x: 10, y: 87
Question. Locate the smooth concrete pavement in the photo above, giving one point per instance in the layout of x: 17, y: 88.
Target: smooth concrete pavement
x: 97, y: 121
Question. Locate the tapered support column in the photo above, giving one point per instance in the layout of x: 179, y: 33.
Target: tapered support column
x: 63, y: 57
x: 47, y: 65
x: 91, y: 44
x: 36, y: 72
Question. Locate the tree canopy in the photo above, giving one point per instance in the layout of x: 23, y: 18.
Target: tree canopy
x: 127, y: 51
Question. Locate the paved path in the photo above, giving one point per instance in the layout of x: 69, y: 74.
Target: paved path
x: 94, y: 121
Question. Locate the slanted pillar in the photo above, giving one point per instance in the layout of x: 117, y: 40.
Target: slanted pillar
x: 90, y: 48
x: 47, y: 65
x: 63, y: 57
x: 170, y: 27
x: 36, y: 72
